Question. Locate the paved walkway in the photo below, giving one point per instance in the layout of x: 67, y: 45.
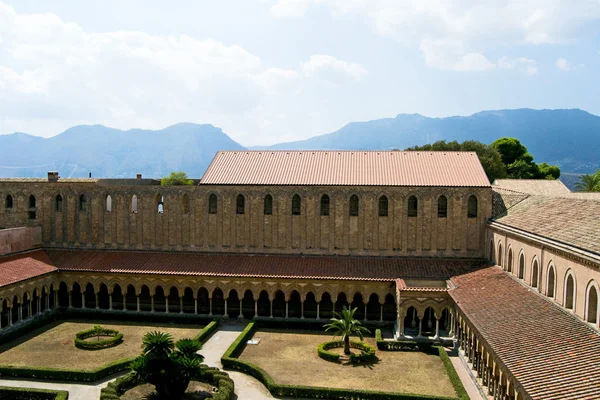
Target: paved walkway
x: 77, y: 391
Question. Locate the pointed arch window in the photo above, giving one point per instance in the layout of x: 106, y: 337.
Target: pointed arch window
x: 324, y: 205
x: 413, y: 206
x: 383, y: 206
x: 353, y: 206
x: 442, y: 207
x: 108, y: 203
x: 296, y: 205
x: 185, y: 204
x: 268, y: 205
x: 58, y: 203
x: 550, y: 289
x: 592, y: 305
x: 212, y: 204
x: 9, y: 202
x: 32, y: 207
x: 570, y: 292
x: 472, y: 207
x: 240, y: 204
x: 534, y: 274
x: 82, y: 203
x: 160, y: 204
x: 134, y: 204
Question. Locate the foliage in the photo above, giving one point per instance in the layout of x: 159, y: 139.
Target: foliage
x: 115, y: 338
x: 176, y: 179
x: 14, y: 393
x: 588, y: 183
x: 452, y: 374
x: 488, y: 156
x: 166, y: 364
x: 343, y: 324
x: 367, y: 353
x: 519, y: 162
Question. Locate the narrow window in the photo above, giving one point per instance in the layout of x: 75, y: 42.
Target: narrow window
x: 510, y: 260
x: 58, y: 203
x: 521, y: 270
x: 82, y: 203
x: 296, y: 205
x: 534, y: 274
x: 592, y: 306
x: 472, y: 207
x: 413, y: 206
x: 325, y: 205
x: 185, y: 204
x: 353, y: 205
x: 442, y: 207
x: 160, y: 204
x: 212, y: 204
x: 108, y: 203
x: 569, y: 293
x: 32, y: 211
x: 9, y: 202
x: 240, y: 204
x: 550, y: 286
x: 134, y: 204
x: 383, y: 206
x: 500, y: 254
x: 32, y: 201
x: 268, y: 205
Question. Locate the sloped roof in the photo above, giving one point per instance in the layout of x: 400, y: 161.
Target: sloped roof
x: 569, y: 221
x: 265, y: 266
x: 551, y: 353
x: 352, y: 168
x: 504, y: 199
x: 541, y: 187
x: 19, y: 267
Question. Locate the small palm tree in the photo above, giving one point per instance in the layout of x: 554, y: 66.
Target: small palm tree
x: 344, y: 325
x: 588, y: 183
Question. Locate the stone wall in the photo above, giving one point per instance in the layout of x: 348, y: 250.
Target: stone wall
x: 186, y: 224
x: 20, y: 239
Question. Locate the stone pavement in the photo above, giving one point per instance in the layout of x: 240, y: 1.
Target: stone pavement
x: 77, y: 391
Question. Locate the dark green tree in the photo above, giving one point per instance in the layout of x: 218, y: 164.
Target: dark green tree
x: 519, y: 162
x: 176, y: 178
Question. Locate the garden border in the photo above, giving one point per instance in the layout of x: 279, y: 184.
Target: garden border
x: 89, y: 376
x: 230, y: 360
x: 367, y: 352
x: 33, y: 394
x: 115, y: 338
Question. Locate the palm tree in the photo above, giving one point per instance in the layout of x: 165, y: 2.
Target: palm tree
x: 588, y: 183
x: 345, y: 325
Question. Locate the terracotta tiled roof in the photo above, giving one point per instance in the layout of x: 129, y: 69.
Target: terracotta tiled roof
x: 353, y: 168
x: 574, y: 222
x: 549, y: 352
x: 271, y: 266
x: 541, y: 187
x: 19, y: 267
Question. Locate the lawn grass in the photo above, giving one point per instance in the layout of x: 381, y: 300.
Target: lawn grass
x: 291, y: 359
x: 53, y: 345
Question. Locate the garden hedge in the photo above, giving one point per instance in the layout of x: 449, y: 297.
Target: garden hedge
x: 14, y: 393
x: 367, y: 352
x: 115, y: 338
x: 86, y: 376
x: 230, y: 360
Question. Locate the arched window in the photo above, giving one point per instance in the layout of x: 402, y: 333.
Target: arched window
x: 521, y: 268
x: 58, y: 203
x: 108, y: 203
x: 383, y: 206
x: 212, y: 204
x: 9, y: 202
x: 325, y: 205
x: 82, y: 203
x: 413, y: 206
x: 185, y: 204
x: 500, y: 254
x: 240, y: 204
x: 32, y: 212
x: 569, y: 292
x: 592, y: 305
x: 509, y: 265
x: 551, y: 282
x: 268, y: 206
x: 534, y: 274
x: 472, y: 207
x: 134, y: 205
x: 296, y: 205
x: 442, y: 207
x: 160, y: 203
x: 32, y: 201
x: 354, y: 205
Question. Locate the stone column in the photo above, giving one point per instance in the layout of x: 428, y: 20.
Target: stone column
x: 210, y: 306
x: 365, y: 318
x: 70, y: 300
x: 29, y: 308
x: 166, y: 304
x: 437, y: 327
x: 271, y: 307
x: 47, y: 302
x: 39, y: 305
x: 10, y: 316
x: 451, y: 324
x: 420, y: 326
x: 137, y: 300
x: 380, y: 312
x: 97, y: 302
x: 151, y: 303
x: 225, y: 313
x: 83, y: 300
x: 196, y: 306
x: 302, y: 310
x: 401, y: 325
x: 20, y: 312
x: 125, y: 302
x: 110, y: 302
x: 286, y: 309
x: 56, y: 299
x: 181, y: 305
x: 241, y: 311
x: 255, y: 308
x: 318, y: 316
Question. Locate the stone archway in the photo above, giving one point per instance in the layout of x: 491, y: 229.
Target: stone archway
x: 233, y: 304
x: 310, y: 306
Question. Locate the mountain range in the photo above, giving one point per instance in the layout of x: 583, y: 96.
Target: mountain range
x: 568, y: 138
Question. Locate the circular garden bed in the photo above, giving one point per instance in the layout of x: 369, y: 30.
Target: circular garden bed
x: 367, y: 353
x: 98, y: 338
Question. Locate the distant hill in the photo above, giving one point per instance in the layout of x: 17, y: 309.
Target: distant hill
x: 108, y: 152
x: 568, y: 138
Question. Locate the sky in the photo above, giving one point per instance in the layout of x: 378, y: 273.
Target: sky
x: 269, y: 71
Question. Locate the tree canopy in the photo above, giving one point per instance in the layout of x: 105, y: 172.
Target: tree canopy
x: 176, y: 178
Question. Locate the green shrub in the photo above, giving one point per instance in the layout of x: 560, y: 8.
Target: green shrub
x: 207, y: 331
x: 367, y: 353
x: 12, y: 393
x: 115, y: 338
x: 328, y: 355
x: 452, y: 374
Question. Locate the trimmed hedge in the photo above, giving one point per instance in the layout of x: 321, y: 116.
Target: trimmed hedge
x: 14, y: 393
x: 85, y: 376
x: 367, y: 352
x: 213, y: 376
x: 230, y: 360
x: 115, y: 339
x: 207, y: 331
x: 453, y: 375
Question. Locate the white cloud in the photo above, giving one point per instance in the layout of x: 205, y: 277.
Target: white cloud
x: 473, y: 26
x: 563, y: 64
x: 521, y: 63
x: 331, y: 68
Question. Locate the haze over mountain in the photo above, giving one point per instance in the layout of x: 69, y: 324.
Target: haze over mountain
x: 568, y: 138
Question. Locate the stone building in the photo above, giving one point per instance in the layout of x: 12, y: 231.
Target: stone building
x: 420, y: 240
